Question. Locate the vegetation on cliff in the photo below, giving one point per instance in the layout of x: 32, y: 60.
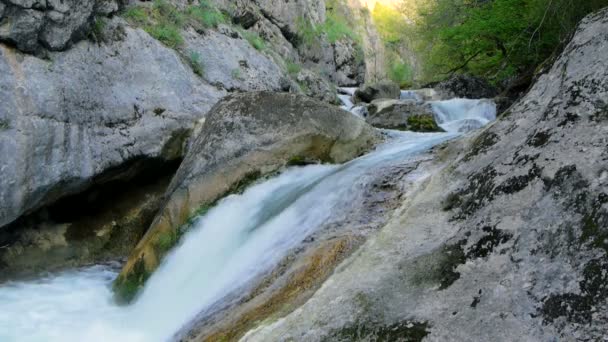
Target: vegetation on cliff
x: 497, y: 40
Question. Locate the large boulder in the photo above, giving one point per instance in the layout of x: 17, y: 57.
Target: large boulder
x: 407, y: 115
x: 381, y: 90
x: 244, y: 137
x: 466, y: 86
x: 506, y: 243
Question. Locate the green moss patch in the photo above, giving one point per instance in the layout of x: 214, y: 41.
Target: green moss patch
x: 423, y: 123
x: 407, y: 331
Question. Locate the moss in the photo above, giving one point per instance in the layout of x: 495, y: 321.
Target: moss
x: 423, y: 123
x: 479, y: 191
x: 407, y: 331
x: 4, y: 124
x: 293, y: 68
x: 579, y: 307
x: 438, y: 267
x: 485, y: 246
x: 539, y: 139
x: 518, y: 183
x: 482, y: 143
x: 97, y: 30
x: 236, y: 74
x: 125, y: 290
x: 452, y: 201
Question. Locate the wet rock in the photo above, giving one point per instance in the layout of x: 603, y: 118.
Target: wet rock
x: 244, y: 137
x: 381, y: 90
x: 466, y: 86
x: 407, y: 115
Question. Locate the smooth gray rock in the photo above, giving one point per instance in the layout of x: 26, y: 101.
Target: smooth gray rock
x: 507, y: 242
x: 229, y: 61
x: 88, y: 110
x: 316, y: 87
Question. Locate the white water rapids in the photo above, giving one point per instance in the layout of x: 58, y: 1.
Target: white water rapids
x: 242, y: 237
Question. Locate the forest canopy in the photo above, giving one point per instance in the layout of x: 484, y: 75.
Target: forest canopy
x: 494, y: 39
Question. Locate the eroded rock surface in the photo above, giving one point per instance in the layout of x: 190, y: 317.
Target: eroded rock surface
x: 509, y: 242
x: 85, y: 112
x: 55, y: 25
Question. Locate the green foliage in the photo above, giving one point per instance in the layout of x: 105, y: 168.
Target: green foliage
x: 196, y: 63
x: 496, y: 39
x: 4, y: 124
x: 337, y: 26
x: 97, y: 29
x: 164, y: 21
x: 168, y: 34
x: 400, y: 72
x: 293, y: 68
x: 206, y: 15
x: 255, y: 40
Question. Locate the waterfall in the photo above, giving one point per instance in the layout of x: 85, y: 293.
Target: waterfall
x: 237, y: 241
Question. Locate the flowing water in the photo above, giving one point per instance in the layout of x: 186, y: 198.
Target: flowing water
x: 241, y: 238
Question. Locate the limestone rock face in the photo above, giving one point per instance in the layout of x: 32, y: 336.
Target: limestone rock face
x: 381, y: 90
x: 507, y: 243
x: 246, y: 136
x: 408, y: 115
x: 51, y: 24
x: 67, y: 121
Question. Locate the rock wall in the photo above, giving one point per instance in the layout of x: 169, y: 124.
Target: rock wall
x: 506, y: 243
x: 79, y: 108
x: 55, y: 25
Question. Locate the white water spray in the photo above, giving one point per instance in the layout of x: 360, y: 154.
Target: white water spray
x: 237, y: 241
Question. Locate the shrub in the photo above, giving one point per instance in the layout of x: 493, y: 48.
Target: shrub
x: 293, y: 68
x: 255, y: 40
x: 205, y: 15
x: 196, y: 63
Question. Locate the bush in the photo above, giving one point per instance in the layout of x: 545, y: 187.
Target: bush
x: 196, y: 63
x: 167, y: 34
x: 206, y: 15
x: 400, y: 73
x: 293, y: 68
x: 164, y: 21
x: 254, y: 39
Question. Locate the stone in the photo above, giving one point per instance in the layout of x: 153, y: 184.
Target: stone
x: 402, y: 115
x: 466, y: 86
x: 316, y: 87
x: 34, y: 25
x: 244, y: 137
x: 381, y: 90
